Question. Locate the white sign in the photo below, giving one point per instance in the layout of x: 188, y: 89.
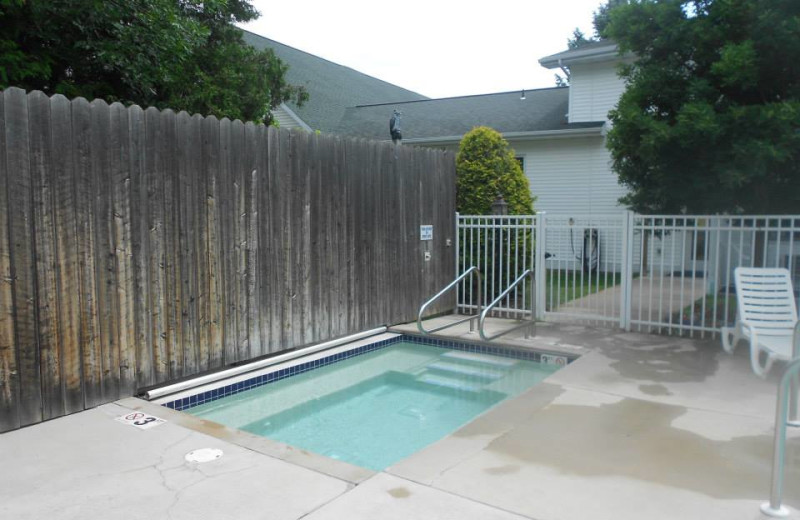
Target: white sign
x: 141, y: 420
x: 426, y: 232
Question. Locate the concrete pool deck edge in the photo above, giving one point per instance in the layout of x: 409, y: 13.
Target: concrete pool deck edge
x: 327, y: 466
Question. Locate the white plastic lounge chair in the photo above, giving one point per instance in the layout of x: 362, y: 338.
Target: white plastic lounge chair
x: 766, y: 316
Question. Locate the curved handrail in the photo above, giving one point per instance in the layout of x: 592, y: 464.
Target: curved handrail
x: 785, y: 387
x: 531, y: 324
x: 452, y: 284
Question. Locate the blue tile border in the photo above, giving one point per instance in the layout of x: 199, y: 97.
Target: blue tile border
x: 265, y: 379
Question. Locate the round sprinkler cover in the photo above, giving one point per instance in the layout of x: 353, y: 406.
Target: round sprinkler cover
x: 203, y: 455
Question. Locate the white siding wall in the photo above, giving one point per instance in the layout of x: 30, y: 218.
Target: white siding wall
x: 594, y: 90
x: 571, y: 175
x: 570, y: 178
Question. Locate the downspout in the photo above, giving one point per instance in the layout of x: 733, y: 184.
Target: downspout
x: 569, y: 80
x: 563, y: 69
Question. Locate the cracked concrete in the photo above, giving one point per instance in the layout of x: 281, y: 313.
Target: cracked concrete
x: 89, y: 465
x: 640, y: 426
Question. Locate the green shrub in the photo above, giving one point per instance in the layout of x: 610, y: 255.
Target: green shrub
x: 486, y: 167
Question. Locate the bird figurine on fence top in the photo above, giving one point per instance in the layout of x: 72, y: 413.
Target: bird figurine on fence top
x: 394, y: 127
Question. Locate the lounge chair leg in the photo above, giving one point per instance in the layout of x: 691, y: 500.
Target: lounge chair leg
x: 729, y: 339
x: 756, y: 362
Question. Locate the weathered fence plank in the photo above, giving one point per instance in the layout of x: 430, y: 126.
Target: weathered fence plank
x: 251, y: 271
x: 39, y: 125
x: 295, y: 215
x: 241, y: 186
x: 104, y: 142
x: 87, y: 253
x: 215, y: 302
x: 65, y: 222
x: 319, y: 323
x: 9, y: 375
x: 138, y: 247
x: 187, y: 287
x: 341, y: 272
x: 154, y: 236
x: 224, y: 204
x: 200, y: 282
x: 139, y: 230
x: 262, y: 271
x: 172, y: 206
x: 123, y: 247
x: 20, y: 223
x: 272, y: 294
x: 282, y: 245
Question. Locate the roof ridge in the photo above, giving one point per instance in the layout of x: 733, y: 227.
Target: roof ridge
x: 526, y: 90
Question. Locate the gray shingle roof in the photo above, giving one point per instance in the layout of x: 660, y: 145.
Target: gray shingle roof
x: 331, y: 87
x: 541, y: 110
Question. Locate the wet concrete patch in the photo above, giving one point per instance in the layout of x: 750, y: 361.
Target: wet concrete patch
x: 654, y: 390
x: 674, y: 362
x: 634, y: 439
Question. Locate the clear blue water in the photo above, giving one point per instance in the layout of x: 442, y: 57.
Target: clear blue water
x: 376, y: 409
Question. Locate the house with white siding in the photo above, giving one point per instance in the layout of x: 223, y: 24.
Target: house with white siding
x: 558, y: 133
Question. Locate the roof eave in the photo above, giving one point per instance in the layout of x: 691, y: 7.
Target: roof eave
x: 515, y: 136
x: 590, y: 55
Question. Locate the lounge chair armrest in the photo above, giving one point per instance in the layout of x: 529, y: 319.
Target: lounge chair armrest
x: 744, y: 324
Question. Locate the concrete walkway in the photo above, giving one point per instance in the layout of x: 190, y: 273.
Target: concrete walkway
x: 640, y: 426
x: 653, y: 298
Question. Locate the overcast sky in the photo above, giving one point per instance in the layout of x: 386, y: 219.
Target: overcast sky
x: 439, y: 48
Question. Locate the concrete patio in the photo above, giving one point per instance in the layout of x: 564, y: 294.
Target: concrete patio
x: 641, y: 426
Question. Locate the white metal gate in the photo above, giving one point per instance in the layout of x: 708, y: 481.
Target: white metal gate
x: 654, y: 273
x: 585, y: 268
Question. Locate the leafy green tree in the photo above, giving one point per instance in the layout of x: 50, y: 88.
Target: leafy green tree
x: 485, y: 168
x: 710, y: 119
x: 601, y: 17
x: 185, y: 55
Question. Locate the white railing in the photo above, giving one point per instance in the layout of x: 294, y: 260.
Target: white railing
x: 656, y: 273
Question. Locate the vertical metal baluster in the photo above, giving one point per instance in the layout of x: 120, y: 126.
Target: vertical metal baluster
x: 728, y: 271
x: 650, y: 247
x: 662, y: 240
x: 683, y: 271
x: 716, y: 282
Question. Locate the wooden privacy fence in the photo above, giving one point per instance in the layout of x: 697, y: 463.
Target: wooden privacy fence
x: 141, y: 246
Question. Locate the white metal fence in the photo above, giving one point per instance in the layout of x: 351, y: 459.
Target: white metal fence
x: 502, y: 248
x: 656, y: 273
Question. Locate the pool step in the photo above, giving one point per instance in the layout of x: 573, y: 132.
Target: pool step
x: 493, y: 361
x: 466, y: 370
x: 448, y: 382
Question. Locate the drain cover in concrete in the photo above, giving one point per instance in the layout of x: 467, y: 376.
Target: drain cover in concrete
x: 203, y: 455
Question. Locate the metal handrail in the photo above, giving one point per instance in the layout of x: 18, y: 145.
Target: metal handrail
x: 452, y: 284
x: 786, y: 387
x: 530, y: 325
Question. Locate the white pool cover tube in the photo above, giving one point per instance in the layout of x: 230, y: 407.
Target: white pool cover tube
x: 235, y: 371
